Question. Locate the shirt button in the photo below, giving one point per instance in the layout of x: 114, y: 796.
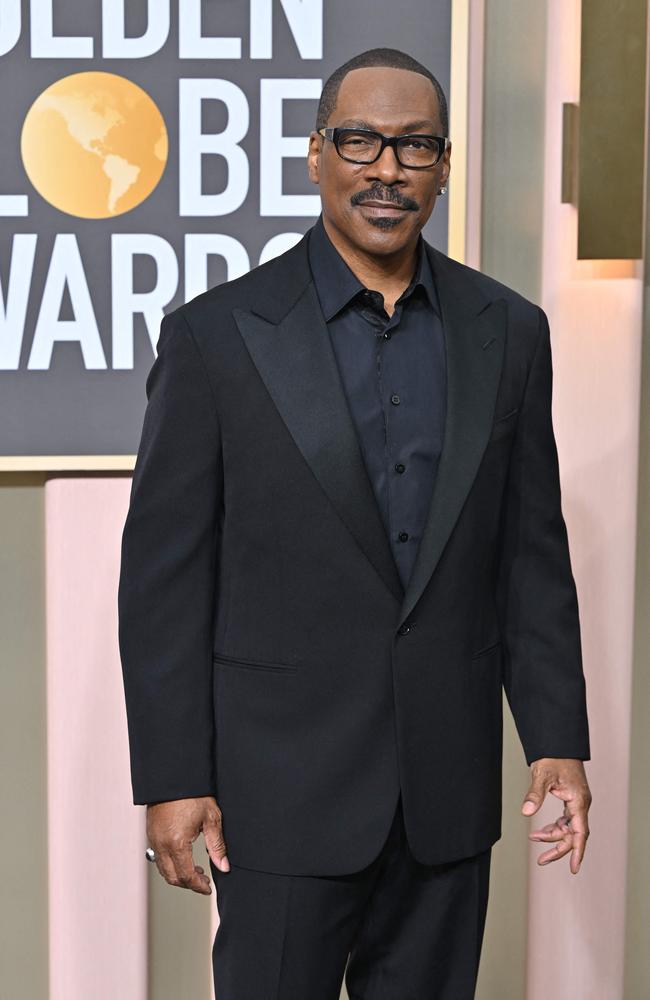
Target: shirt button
x: 399, y: 467
x: 395, y: 400
x: 403, y: 536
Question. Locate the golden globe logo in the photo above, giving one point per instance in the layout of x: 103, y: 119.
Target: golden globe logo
x: 94, y: 145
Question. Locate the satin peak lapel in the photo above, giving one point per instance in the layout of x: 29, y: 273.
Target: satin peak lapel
x: 296, y: 361
x: 475, y: 333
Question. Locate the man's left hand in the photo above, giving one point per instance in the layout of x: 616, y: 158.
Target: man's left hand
x: 564, y: 777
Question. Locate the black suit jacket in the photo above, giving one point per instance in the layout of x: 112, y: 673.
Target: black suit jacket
x: 270, y: 654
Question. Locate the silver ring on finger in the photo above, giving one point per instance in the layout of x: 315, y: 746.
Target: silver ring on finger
x: 150, y: 854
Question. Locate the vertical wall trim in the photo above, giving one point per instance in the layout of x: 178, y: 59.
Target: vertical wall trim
x: 637, y: 915
x: 475, y: 95
x: 507, y: 245
x: 458, y: 128
x: 513, y: 144
x: 23, y: 832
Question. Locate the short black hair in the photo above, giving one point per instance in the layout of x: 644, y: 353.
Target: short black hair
x: 390, y: 58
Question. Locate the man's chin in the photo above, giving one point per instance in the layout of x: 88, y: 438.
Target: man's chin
x: 385, y: 221
x: 383, y: 235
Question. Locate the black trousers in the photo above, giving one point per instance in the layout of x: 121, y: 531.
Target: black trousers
x: 396, y: 930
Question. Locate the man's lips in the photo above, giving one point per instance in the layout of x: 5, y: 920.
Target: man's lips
x: 384, y: 206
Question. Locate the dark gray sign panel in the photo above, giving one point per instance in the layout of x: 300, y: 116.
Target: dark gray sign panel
x: 151, y: 150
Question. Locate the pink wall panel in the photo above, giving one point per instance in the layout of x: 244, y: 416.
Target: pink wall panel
x: 97, y: 868
x: 576, y: 923
x: 214, y: 926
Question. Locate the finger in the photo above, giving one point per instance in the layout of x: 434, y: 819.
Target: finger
x: 580, y: 828
x: 555, y: 853
x: 548, y: 828
x: 165, y: 865
x: 557, y: 833
x: 577, y: 809
x: 579, y: 844
x: 577, y: 816
x: 552, y: 831
x: 186, y: 875
x: 214, y: 840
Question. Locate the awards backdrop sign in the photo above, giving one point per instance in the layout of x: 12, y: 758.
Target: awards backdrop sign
x: 152, y: 149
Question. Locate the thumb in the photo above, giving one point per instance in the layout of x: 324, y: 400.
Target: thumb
x: 533, y: 800
x: 215, y: 843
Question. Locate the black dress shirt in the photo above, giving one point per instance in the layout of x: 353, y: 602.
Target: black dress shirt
x: 393, y: 371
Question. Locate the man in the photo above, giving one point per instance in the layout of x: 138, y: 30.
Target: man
x: 344, y: 538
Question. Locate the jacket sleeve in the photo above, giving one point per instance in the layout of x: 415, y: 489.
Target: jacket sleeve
x: 536, y: 595
x: 166, y: 593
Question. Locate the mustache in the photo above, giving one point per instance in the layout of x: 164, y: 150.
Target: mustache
x: 389, y: 195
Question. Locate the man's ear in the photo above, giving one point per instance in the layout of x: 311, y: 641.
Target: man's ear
x: 313, y: 157
x: 446, y: 165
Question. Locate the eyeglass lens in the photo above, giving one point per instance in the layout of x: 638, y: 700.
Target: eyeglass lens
x: 411, y: 151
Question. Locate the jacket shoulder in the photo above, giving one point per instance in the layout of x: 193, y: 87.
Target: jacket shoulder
x: 491, y: 288
x: 275, y: 284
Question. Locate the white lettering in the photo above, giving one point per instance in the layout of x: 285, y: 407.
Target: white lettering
x: 116, y: 45
x: 44, y: 43
x: 126, y: 302
x: 9, y: 25
x: 15, y: 205
x: 199, y: 247
x: 66, y: 268
x: 13, y: 306
x: 279, y: 244
x: 194, y: 145
x: 305, y: 19
x: 275, y: 147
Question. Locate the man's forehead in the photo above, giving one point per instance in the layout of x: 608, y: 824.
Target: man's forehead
x: 403, y: 123
x: 382, y: 96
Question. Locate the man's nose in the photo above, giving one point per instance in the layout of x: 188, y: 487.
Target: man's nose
x: 387, y: 168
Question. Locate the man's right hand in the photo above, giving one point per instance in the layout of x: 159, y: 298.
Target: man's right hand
x: 172, y: 828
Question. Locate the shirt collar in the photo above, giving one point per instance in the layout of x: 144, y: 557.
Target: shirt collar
x: 336, y: 283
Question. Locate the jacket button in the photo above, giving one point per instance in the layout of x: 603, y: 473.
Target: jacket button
x: 403, y: 536
x: 404, y: 628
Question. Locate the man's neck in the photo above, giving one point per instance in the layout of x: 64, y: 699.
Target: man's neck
x: 389, y: 274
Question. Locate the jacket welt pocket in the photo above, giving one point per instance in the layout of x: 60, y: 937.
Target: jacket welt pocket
x: 504, y: 416
x: 238, y: 661
x: 503, y: 427
x: 486, y: 649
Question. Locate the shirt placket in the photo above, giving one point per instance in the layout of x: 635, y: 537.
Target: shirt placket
x: 385, y: 329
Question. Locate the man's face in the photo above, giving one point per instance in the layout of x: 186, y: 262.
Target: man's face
x: 379, y: 208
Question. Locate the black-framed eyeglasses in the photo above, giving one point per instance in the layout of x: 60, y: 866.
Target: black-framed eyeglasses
x: 363, y: 145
